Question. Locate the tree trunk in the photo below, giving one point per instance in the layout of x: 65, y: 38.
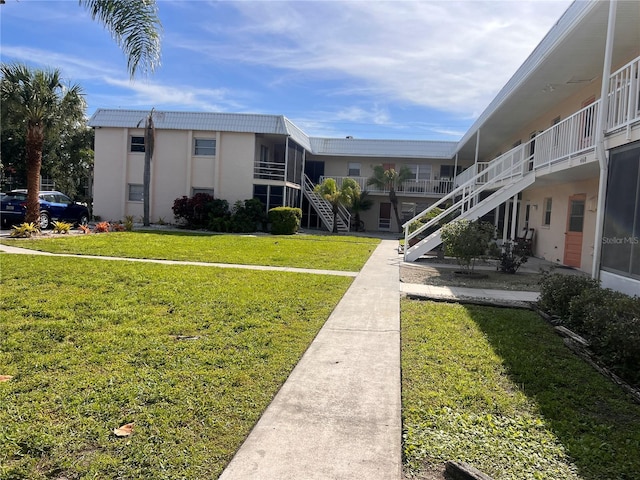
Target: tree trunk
x: 149, y: 137
x: 394, y: 201
x: 35, y: 141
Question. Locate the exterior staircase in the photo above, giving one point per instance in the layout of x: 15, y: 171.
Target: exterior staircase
x: 324, y: 210
x: 501, y: 179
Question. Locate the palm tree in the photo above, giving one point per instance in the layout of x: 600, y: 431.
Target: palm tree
x: 360, y: 203
x: 38, y: 100
x: 135, y: 27
x: 390, y: 179
x: 329, y: 190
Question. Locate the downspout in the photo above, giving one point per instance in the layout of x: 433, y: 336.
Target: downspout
x: 600, y: 150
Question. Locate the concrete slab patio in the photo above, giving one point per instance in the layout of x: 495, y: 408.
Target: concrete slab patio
x: 338, y: 414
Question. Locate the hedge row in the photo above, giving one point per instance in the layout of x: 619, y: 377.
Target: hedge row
x: 610, y: 320
x: 204, y: 211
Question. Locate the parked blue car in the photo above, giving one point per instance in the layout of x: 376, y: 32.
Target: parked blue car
x: 54, y: 206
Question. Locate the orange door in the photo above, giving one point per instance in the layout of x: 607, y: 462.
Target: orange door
x: 573, y: 236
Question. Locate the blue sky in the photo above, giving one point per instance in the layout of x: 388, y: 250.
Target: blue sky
x: 371, y: 69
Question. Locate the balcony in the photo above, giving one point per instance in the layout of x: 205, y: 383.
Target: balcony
x: 413, y: 188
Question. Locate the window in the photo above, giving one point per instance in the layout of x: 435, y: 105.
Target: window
x: 420, y: 172
x: 208, y: 191
x: 204, y: 146
x: 137, y: 144
x: 354, y: 169
x: 270, y: 195
x: 136, y: 192
x: 546, y: 220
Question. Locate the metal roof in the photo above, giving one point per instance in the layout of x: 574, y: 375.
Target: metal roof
x: 223, y: 122
x: 354, y: 147
x: 273, y: 124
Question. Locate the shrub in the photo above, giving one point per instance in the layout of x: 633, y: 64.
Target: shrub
x: 102, y: 227
x: 195, y: 211
x: 61, y: 227
x: 247, y: 216
x: 511, y: 257
x: 284, y: 220
x: 128, y: 223
x: 467, y: 241
x: 118, y: 227
x: 24, y: 230
x: 557, y: 291
x: 84, y: 229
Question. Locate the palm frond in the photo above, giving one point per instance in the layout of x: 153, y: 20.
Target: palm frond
x: 135, y: 26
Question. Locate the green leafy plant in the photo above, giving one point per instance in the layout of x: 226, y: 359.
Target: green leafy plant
x: 61, y: 227
x: 24, y: 230
x: 467, y: 241
x: 557, y: 290
x: 128, y: 223
x: 248, y: 216
x: 512, y: 257
x: 284, y: 220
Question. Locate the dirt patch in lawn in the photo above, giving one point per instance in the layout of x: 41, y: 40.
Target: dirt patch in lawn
x: 445, y: 276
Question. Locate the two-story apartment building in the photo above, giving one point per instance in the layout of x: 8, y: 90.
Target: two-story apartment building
x: 240, y: 156
x: 555, y: 154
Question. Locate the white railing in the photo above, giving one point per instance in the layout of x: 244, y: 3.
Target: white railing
x: 269, y: 170
x: 624, y: 96
x: 573, y: 136
x: 408, y: 187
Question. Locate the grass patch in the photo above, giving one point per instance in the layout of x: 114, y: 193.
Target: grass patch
x: 498, y: 388
x: 191, y: 355
x: 302, y: 251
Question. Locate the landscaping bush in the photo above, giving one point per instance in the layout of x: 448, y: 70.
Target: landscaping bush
x: 511, y: 257
x: 284, y: 220
x: 611, y: 323
x: 248, y: 216
x: 557, y: 290
x: 195, y: 211
x: 467, y: 241
x: 609, y: 320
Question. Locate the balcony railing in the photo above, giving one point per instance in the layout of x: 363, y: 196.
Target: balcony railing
x: 269, y: 170
x: 570, y: 139
x: 408, y: 187
x: 624, y: 96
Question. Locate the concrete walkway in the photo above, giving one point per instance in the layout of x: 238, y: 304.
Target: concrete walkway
x: 338, y: 414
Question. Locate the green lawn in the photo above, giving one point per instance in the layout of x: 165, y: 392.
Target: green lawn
x: 497, y: 388
x: 192, y: 355
x: 303, y: 251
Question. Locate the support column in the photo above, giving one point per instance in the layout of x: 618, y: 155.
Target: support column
x: 514, y: 217
x: 600, y: 151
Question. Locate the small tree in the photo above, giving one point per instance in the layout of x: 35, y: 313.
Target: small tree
x: 360, y: 202
x: 329, y: 190
x: 391, y: 180
x: 467, y: 241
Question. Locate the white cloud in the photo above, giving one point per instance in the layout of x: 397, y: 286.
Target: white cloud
x: 453, y: 55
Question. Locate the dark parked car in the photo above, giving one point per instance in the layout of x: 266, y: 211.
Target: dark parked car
x: 54, y: 206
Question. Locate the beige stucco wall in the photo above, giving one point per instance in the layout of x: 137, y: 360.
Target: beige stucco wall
x: 549, y: 240
x: 109, y: 173
x: 235, y: 175
x: 175, y: 170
